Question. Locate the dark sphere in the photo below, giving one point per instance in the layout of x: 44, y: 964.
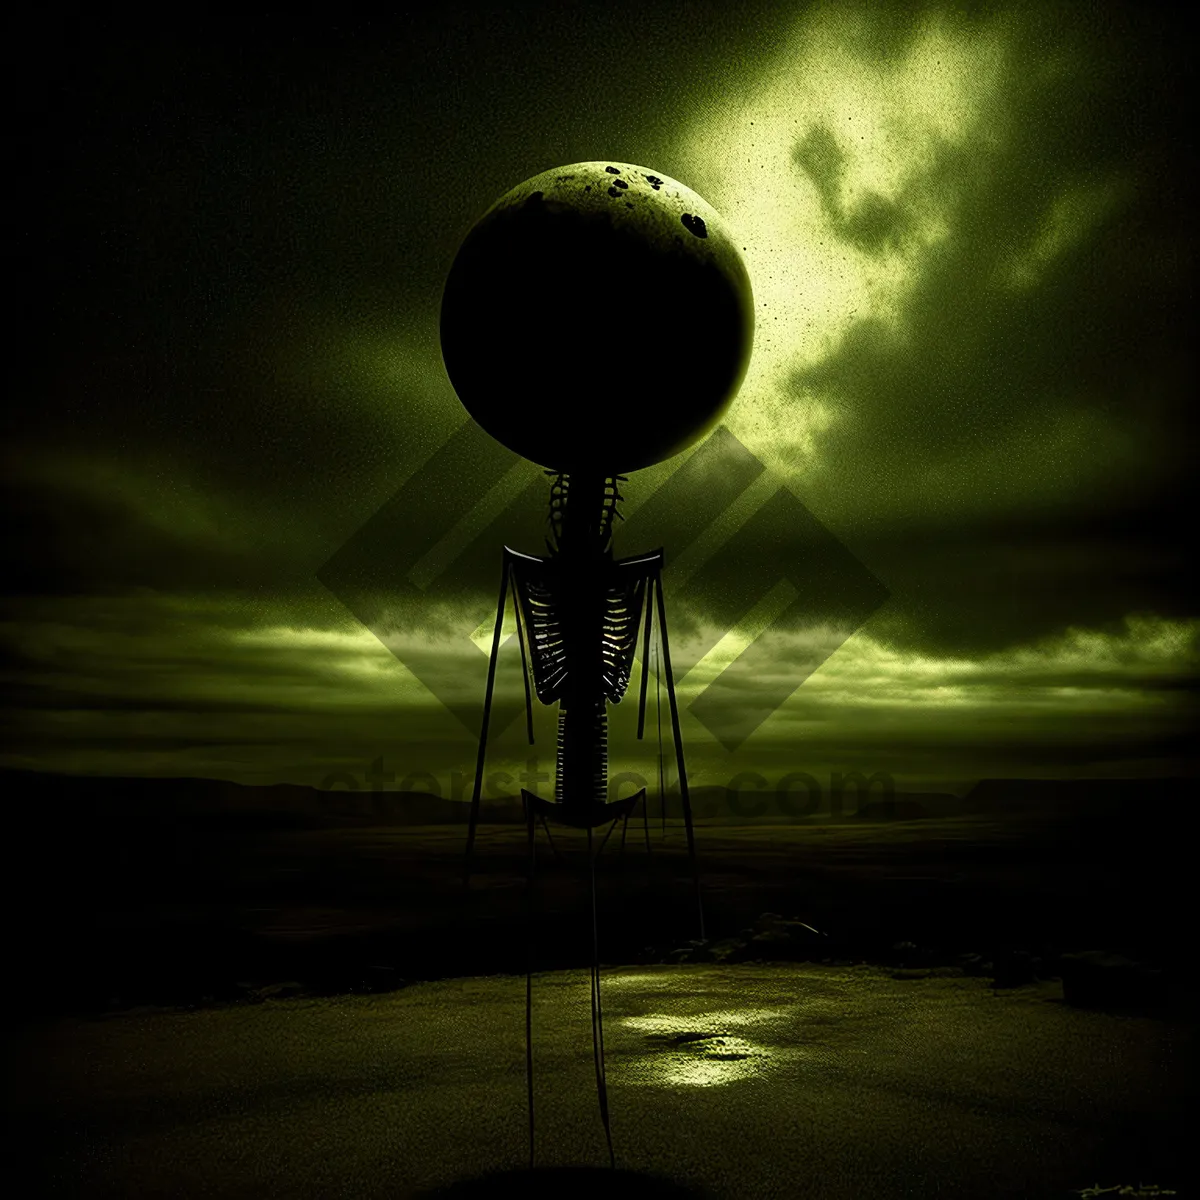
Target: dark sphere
x: 597, y: 318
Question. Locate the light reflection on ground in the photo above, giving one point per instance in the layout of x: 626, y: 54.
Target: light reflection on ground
x: 893, y: 1088
x: 698, y: 1050
x: 706, y: 1062
x: 711, y: 1021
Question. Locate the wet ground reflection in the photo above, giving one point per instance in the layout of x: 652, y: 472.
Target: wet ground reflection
x: 707, y: 1048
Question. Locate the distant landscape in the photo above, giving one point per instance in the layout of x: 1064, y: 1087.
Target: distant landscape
x: 214, y: 802
x: 126, y: 892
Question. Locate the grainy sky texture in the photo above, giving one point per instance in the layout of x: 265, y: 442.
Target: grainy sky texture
x: 970, y: 232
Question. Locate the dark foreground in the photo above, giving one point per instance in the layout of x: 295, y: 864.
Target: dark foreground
x: 113, y: 914
x: 786, y: 1080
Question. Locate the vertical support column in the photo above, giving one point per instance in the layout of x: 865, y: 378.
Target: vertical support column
x: 582, y: 750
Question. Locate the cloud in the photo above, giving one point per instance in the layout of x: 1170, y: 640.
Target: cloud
x: 836, y: 161
x: 971, y: 247
x: 186, y: 685
x: 160, y: 684
x: 968, y: 368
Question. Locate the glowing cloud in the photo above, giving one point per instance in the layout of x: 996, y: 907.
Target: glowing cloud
x: 818, y: 166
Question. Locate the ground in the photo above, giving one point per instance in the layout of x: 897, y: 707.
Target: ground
x: 755, y: 1080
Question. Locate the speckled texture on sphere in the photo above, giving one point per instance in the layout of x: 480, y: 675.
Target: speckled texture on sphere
x: 598, y: 316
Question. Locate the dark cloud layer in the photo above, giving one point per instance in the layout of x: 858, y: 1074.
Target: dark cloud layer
x: 1021, y: 458
x: 228, y: 256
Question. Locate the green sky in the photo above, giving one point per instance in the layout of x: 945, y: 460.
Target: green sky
x: 970, y: 236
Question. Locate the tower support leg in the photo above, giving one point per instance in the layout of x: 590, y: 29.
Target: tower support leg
x: 684, y: 798
x: 483, y: 732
